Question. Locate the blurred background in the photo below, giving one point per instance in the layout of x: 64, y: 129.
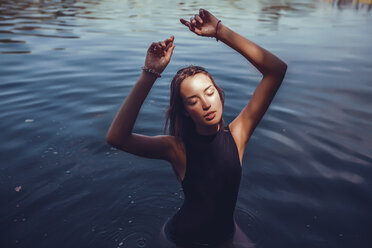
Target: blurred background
x: 67, y: 65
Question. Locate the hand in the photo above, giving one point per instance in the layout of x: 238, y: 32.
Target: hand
x: 159, y: 54
x: 203, y: 24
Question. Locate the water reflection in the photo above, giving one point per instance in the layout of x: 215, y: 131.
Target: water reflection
x: 355, y: 4
x: 309, y: 155
x: 271, y: 11
x: 21, y: 21
x: 46, y: 19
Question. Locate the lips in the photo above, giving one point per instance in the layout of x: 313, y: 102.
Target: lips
x: 210, y: 112
x: 210, y: 115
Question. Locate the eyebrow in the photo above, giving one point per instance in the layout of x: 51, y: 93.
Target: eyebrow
x: 203, y: 91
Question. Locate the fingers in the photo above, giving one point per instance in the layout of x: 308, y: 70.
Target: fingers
x: 186, y: 23
x: 170, y: 51
x: 191, y: 24
x: 183, y: 21
x: 196, y: 28
x: 192, y: 21
x: 202, y: 13
x: 169, y: 40
x: 168, y: 43
x: 152, y: 47
x: 168, y: 46
x: 198, y: 19
x: 160, y: 48
x: 156, y: 48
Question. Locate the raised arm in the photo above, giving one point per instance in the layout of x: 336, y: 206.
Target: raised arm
x: 120, y: 133
x: 272, y: 68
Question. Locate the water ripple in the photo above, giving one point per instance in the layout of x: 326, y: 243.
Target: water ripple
x: 66, y: 66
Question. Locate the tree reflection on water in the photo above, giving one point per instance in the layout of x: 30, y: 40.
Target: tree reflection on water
x: 356, y: 4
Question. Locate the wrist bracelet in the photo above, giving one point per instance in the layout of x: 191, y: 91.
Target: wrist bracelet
x: 217, y: 29
x: 152, y: 71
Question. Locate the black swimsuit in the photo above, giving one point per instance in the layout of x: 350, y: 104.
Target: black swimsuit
x: 210, y: 186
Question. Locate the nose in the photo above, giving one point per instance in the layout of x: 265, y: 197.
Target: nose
x: 205, y: 103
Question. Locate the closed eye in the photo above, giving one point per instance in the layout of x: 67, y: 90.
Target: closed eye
x: 209, y: 94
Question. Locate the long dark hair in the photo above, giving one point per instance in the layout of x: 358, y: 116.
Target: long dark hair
x: 181, y: 125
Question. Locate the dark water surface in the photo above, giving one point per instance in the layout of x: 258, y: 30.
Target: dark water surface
x: 66, y: 66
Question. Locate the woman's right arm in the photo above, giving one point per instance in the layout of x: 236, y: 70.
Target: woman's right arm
x: 120, y: 133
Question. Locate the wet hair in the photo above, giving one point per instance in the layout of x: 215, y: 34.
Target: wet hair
x: 181, y: 125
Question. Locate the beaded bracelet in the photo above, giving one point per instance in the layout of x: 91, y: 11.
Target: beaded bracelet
x: 217, y: 29
x: 152, y: 71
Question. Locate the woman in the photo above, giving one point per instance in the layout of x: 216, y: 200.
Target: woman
x: 205, y: 154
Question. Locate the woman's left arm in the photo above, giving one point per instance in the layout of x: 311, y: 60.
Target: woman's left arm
x: 272, y: 68
x: 273, y: 71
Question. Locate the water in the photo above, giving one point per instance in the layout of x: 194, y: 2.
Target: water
x: 66, y: 66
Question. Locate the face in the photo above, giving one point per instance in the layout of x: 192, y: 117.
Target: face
x: 199, y: 98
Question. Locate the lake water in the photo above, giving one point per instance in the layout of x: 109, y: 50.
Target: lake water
x: 66, y: 67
